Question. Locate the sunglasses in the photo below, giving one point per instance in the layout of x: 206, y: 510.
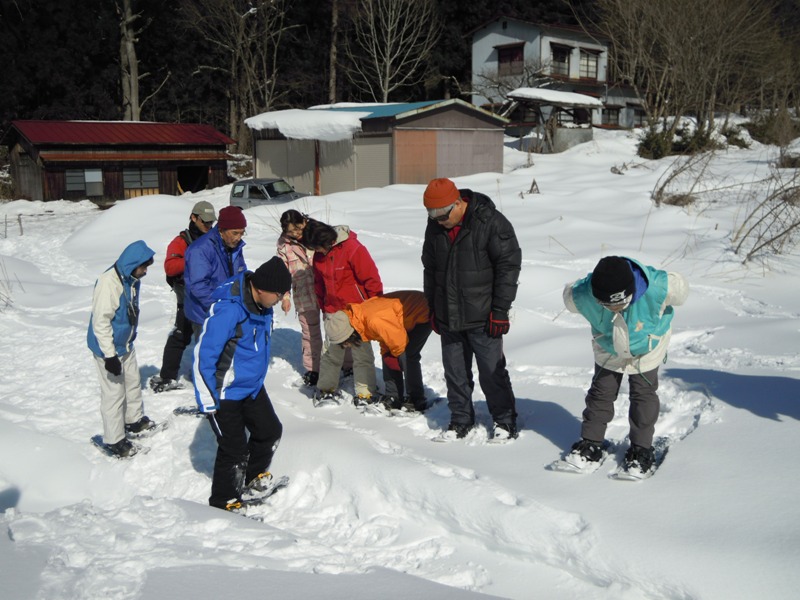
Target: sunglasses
x: 443, y: 217
x: 618, y: 303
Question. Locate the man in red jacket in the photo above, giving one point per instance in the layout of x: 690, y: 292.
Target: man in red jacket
x: 344, y: 273
x: 200, y: 221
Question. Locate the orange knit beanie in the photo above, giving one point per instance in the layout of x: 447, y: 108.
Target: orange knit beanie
x: 440, y: 193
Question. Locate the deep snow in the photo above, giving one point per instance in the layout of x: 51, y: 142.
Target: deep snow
x: 374, y: 509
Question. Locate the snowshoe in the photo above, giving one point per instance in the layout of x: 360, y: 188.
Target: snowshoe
x: 585, y: 456
x: 329, y: 398
x: 159, y: 385
x: 121, y: 450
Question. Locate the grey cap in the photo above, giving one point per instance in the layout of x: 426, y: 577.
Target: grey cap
x: 338, y: 327
x: 205, y: 211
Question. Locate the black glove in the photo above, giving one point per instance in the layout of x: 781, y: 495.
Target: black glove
x: 497, y: 325
x: 113, y: 365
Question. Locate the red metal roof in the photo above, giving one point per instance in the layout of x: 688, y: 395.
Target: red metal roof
x: 133, y: 133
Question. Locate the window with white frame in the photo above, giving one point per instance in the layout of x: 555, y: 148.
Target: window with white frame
x: 559, y: 60
x: 588, y: 67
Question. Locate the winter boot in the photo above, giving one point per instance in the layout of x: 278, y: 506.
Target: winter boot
x: 460, y: 429
x: 122, y: 448
x: 587, y: 450
x: 141, y: 425
x: 346, y: 373
x: 327, y: 398
x: 363, y: 400
x: 390, y: 402
x: 310, y: 378
x: 159, y: 385
x: 639, y: 458
x: 260, y: 483
x: 505, y: 432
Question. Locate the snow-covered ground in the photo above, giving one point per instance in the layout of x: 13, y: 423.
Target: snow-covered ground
x: 375, y: 509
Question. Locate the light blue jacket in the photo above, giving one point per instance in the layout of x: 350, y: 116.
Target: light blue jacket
x: 115, y: 304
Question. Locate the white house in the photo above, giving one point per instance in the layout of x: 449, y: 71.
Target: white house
x: 568, y: 60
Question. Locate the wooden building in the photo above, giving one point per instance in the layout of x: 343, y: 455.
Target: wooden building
x: 376, y: 145
x: 112, y: 160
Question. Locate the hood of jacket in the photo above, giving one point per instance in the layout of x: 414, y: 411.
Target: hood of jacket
x: 134, y: 255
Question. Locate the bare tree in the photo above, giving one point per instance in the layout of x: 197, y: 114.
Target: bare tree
x: 688, y: 57
x: 130, y: 77
x: 392, y: 43
x: 495, y: 87
x: 248, y: 34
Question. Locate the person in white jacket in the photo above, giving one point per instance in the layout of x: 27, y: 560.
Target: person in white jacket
x: 112, y: 329
x: 630, y: 308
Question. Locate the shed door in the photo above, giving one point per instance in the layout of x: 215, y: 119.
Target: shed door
x: 415, y: 156
x: 373, y: 162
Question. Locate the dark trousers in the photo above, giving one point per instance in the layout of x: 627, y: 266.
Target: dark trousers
x: 241, y: 457
x: 412, y: 369
x: 179, y: 338
x: 643, y: 412
x: 458, y: 350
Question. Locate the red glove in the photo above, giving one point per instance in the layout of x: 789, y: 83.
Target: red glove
x: 391, y: 362
x: 498, y: 324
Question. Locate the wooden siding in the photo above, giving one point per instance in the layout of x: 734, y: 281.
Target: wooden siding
x: 461, y: 153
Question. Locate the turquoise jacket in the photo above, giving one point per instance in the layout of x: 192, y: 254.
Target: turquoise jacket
x: 646, y: 322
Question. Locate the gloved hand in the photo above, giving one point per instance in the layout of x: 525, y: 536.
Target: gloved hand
x: 497, y: 325
x: 113, y: 365
x: 391, y: 362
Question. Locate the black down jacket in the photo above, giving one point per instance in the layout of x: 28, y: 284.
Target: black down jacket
x: 479, y: 272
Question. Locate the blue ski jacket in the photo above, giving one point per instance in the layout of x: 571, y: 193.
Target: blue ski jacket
x: 232, y: 355
x: 115, y: 304
x: 208, y: 263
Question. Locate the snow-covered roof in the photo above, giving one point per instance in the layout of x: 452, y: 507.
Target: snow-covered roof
x: 341, y: 121
x: 298, y: 124
x: 555, y: 98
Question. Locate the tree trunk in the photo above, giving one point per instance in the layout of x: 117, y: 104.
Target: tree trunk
x: 129, y: 63
x: 333, y: 51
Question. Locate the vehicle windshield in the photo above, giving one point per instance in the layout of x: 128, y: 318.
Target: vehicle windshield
x: 279, y: 187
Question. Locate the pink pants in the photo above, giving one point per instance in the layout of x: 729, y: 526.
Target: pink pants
x: 312, y: 339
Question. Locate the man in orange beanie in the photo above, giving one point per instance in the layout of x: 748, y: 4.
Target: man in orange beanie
x: 471, y: 262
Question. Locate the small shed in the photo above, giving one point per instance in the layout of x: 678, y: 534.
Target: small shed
x: 345, y: 147
x: 112, y: 160
x: 541, y: 110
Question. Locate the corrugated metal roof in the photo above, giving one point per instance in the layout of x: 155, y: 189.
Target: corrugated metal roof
x: 382, y: 111
x: 54, y: 156
x: 133, y: 133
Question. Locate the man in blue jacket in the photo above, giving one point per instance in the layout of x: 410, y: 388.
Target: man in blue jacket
x: 112, y: 329
x: 629, y: 307
x: 212, y: 259
x: 237, y: 332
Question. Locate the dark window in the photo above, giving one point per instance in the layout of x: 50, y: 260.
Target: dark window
x: 610, y: 116
x: 510, y: 60
x: 639, y: 117
x: 559, y: 63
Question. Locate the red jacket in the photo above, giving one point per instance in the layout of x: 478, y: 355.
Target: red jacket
x: 174, y: 263
x: 346, y: 274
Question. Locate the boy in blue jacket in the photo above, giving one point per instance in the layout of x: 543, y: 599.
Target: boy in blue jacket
x: 237, y: 332
x: 112, y: 329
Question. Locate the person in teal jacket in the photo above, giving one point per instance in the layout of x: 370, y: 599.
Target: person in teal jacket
x: 630, y: 308
x: 112, y: 329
